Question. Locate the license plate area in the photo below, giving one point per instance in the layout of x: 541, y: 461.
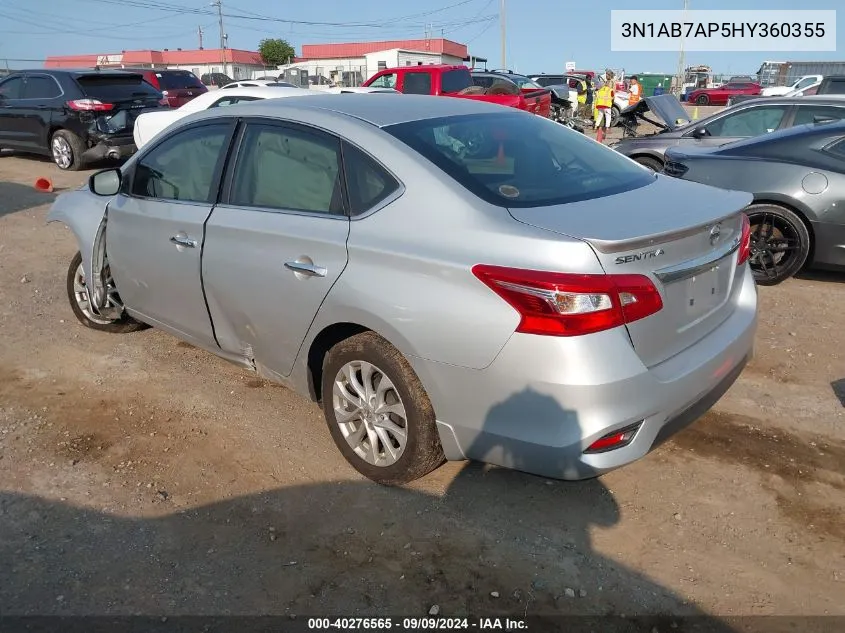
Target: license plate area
x: 699, y: 295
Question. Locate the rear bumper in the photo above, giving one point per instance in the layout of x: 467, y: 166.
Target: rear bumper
x: 544, y: 400
x: 115, y: 147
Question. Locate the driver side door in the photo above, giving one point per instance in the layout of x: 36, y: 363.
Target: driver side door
x: 155, y: 229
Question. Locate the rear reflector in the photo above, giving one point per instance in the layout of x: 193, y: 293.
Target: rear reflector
x: 90, y: 105
x: 614, y: 440
x: 744, y: 241
x: 563, y: 304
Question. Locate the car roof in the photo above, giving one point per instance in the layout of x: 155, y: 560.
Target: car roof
x: 371, y: 108
x: 263, y: 92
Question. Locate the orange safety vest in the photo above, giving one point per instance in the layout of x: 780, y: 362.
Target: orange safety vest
x: 635, y: 93
x: 604, y: 97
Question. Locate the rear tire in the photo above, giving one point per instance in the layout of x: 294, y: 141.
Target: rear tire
x: 780, y: 243
x: 703, y: 100
x: 652, y: 163
x: 361, y: 364
x: 83, y: 313
x: 66, y: 148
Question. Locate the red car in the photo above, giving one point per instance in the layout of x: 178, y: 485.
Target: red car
x: 177, y: 86
x: 720, y: 95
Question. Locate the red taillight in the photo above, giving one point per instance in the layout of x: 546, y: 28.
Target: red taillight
x: 614, y: 440
x: 90, y: 105
x: 563, y: 304
x: 744, y: 241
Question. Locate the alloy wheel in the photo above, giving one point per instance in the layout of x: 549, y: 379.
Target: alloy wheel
x: 62, y: 153
x: 370, y: 413
x: 774, y: 244
x: 80, y: 293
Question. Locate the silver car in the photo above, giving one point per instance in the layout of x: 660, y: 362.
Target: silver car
x: 450, y: 279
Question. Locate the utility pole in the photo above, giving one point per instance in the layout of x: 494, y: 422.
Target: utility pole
x: 502, y: 27
x: 199, y: 32
x: 219, y: 5
x: 681, y: 65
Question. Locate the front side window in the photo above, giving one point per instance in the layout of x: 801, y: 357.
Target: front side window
x: 385, y: 81
x: 288, y: 168
x: 835, y: 87
x: 511, y: 159
x: 12, y: 88
x: 417, y: 83
x: 811, y: 114
x: 183, y: 166
x: 367, y: 182
x: 40, y: 87
x: 748, y: 122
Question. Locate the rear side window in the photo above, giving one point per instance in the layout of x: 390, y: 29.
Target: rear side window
x: 367, y: 182
x: 178, y: 80
x: 455, y: 81
x: 228, y: 101
x: 115, y: 87
x: 809, y: 114
x: 834, y: 87
x: 288, y: 168
x: 12, y: 88
x: 512, y: 159
x: 40, y: 87
x: 837, y: 148
x: 417, y: 84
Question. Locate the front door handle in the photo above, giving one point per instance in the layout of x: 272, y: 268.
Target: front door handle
x: 306, y: 269
x: 183, y: 240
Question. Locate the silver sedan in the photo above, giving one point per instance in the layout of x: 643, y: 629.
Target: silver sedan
x: 449, y: 279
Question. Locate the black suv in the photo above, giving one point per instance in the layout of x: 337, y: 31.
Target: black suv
x: 75, y: 116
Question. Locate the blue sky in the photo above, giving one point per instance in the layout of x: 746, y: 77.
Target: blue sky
x: 541, y: 34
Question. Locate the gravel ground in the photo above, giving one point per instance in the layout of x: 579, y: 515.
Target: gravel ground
x: 141, y: 475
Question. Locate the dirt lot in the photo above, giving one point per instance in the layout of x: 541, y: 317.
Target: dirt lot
x: 141, y: 475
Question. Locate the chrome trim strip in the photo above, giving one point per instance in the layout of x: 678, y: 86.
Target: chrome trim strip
x: 693, y: 267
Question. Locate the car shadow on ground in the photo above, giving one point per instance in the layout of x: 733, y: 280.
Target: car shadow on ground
x: 834, y: 276
x: 15, y: 197
x: 348, y: 548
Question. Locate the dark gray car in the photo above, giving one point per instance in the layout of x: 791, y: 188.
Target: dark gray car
x: 744, y: 120
x: 797, y: 178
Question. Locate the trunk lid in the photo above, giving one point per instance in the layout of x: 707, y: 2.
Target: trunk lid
x: 684, y: 238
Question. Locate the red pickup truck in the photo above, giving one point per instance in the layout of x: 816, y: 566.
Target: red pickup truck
x: 443, y: 80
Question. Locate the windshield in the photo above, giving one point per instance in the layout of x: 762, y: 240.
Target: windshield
x: 116, y: 87
x: 178, y: 80
x: 514, y: 159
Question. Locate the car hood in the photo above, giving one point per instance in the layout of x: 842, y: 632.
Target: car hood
x: 667, y: 107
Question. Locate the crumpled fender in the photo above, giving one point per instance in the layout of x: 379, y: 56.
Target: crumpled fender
x: 85, y: 213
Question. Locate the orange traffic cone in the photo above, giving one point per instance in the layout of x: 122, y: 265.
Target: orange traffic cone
x: 44, y: 185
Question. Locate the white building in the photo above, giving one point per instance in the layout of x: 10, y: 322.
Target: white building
x: 353, y: 63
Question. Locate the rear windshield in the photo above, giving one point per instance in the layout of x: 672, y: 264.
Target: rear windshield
x: 455, y: 80
x: 515, y: 159
x: 177, y: 80
x: 116, y: 87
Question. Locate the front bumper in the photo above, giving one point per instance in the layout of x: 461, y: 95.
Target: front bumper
x: 544, y: 400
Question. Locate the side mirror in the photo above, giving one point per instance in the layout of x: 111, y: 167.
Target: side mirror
x: 105, y: 182
x: 700, y: 132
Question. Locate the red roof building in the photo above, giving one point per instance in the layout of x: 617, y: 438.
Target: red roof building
x: 359, y: 49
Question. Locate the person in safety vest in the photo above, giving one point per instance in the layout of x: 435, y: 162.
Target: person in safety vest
x: 635, y: 91
x: 582, y: 97
x: 604, y: 106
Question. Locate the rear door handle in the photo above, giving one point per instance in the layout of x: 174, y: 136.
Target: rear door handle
x: 182, y: 240
x: 306, y: 269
